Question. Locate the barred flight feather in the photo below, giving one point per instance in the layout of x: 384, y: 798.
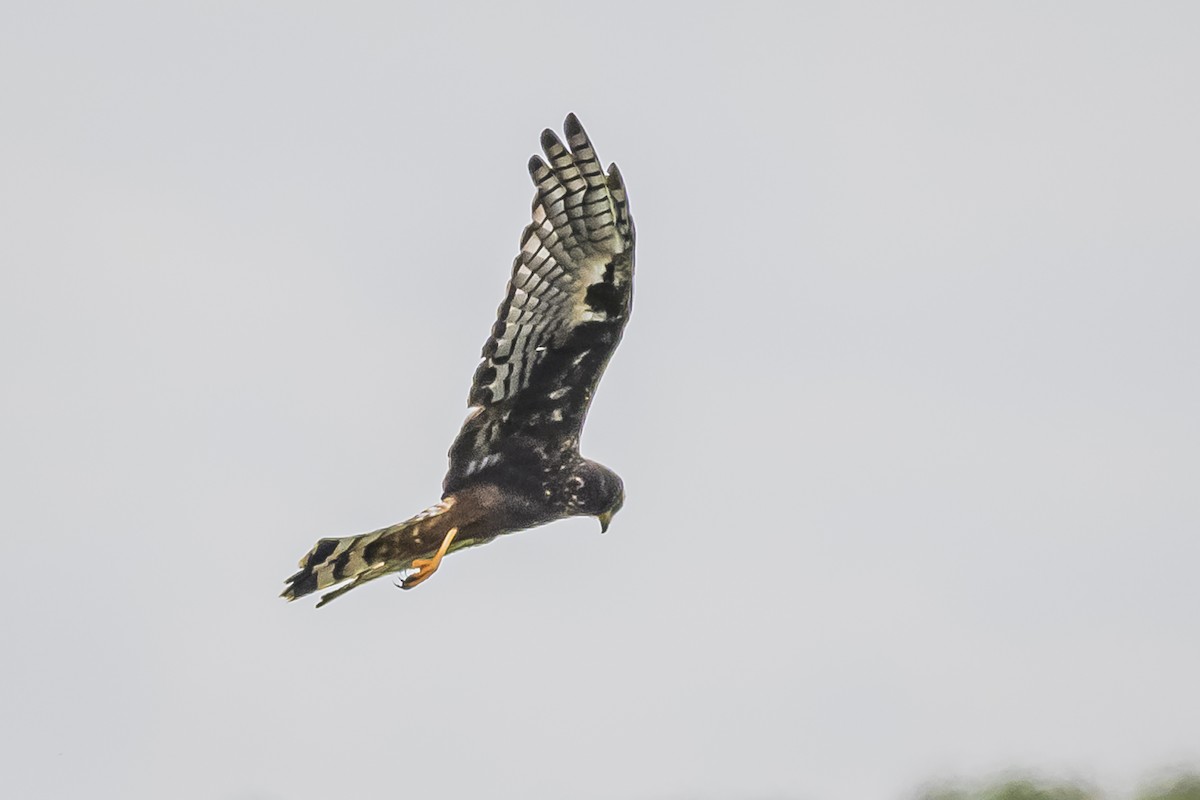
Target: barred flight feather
x: 566, y: 306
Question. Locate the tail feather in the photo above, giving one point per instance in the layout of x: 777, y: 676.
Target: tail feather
x: 365, y: 557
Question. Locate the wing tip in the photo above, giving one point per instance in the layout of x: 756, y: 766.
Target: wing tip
x: 550, y: 141
x: 581, y: 145
x: 616, y: 183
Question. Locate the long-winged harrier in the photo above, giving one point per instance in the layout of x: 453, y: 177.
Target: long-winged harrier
x: 516, y: 462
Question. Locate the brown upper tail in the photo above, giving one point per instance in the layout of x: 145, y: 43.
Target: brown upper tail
x: 367, y: 556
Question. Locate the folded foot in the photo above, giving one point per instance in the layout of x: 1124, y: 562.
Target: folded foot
x: 427, y: 566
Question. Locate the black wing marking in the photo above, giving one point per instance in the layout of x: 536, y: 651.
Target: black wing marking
x: 566, y: 307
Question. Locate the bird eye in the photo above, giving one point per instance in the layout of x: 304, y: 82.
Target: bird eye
x: 575, y: 482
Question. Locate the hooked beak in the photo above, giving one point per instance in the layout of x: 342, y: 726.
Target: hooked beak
x: 605, y: 519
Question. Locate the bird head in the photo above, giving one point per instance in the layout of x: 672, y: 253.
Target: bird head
x: 596, y: 491
x: 605, y: 517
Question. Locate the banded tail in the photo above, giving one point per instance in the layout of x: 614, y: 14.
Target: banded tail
x: 368, y: 556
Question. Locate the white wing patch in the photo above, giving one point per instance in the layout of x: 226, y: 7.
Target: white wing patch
x: 482, y: 463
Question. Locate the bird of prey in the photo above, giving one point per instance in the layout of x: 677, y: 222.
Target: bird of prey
x: 516, y: 462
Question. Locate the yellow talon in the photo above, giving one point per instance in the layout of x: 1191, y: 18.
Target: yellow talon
x: 427, y: 566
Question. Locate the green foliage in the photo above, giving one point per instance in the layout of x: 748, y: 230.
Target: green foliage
x: 1020, y: 789
x: 1028, y: 790
x: 1185, y: 787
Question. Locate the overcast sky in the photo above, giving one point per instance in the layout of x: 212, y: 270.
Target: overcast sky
x: 908, y: 412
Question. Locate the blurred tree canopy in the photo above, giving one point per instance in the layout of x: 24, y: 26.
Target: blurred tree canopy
x: 1185, y: 787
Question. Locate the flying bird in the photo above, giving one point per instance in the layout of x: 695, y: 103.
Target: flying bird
x: 516, y: 464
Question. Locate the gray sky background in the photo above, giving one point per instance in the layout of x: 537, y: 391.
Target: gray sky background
x: 907, y: 412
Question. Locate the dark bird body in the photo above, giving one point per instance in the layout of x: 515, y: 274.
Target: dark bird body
x: 516, y: 464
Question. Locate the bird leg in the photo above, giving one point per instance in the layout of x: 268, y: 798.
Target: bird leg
x: 427, y: 566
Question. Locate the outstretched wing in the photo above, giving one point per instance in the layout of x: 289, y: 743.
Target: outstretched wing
x: 567, y: 304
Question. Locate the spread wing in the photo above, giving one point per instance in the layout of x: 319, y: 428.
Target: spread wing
x: 567, y: 304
